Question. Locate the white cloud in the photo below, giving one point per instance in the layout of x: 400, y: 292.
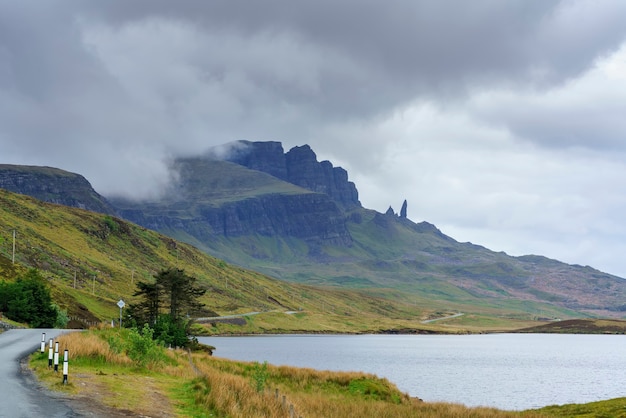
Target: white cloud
x: 483, y: 172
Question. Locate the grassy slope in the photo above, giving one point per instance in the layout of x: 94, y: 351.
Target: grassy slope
x: 580, y: 326
x: 418, y: 265
x: 220, y: 182
x: 107, y: 256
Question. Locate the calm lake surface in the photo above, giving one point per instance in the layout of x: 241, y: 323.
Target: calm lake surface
x: 506, y: 371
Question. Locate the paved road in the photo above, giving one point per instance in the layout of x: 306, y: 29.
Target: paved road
x: 428, y: 321
x: 214, y: 318
x: 20, y: 395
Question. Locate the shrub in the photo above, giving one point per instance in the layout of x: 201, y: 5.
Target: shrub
x: 61, y: 317
x: 259, y: 375
x: 142, y: 348
x: 171, y: 332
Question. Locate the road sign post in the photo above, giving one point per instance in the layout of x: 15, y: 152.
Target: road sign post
x: 121, y: 304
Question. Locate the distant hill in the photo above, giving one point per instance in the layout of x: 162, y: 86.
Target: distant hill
x: 291, y: 217
x: 53, y: 185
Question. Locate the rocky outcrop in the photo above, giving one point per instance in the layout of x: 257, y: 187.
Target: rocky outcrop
x: 268, y: 157
x: 304, y: 170
x: 54, y: 186
x: 403, y: 210
x: 298, y: 166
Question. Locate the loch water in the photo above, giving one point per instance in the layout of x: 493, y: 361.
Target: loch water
x: 506, y: 371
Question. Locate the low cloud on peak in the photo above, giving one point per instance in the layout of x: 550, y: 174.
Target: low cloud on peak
x: 500, y: 122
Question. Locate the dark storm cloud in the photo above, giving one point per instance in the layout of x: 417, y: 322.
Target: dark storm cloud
x: 54, y: 92
x: 315, y: 62
x: 396, y: 50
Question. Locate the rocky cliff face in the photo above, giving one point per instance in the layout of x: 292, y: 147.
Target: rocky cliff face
x: 298, y: 166
x: 311, y: 217
x: 54, y: 186
x: 219, y: 199
x: 268, y: 157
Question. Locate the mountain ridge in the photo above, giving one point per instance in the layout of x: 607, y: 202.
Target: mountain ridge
x: 242, y: 212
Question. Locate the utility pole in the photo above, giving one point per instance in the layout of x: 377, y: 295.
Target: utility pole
x: 93, y: 285
x: 13, y: 260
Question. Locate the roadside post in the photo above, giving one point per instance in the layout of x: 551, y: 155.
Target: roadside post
x: 56, y: 356
x: 121, y: 304
x: 43, y: 342
x: 50, y: 354
x: 65, y: 366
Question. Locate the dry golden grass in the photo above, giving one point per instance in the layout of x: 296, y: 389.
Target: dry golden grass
x: 233, y: 396
x: 90, y: 345
x: 315, y: 393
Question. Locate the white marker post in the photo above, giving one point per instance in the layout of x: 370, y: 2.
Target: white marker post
x: 65, y: 366
x: 50, y: 354
x: 56, y: 356
x: 43, y: 342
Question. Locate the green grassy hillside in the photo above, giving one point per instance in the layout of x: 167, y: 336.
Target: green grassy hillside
x: 417, y: 264
x: 201, y: 185
x: 92, y: 260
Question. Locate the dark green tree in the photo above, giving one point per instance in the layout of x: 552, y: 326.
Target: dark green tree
x: 147, y: 310
x: 181, y: 292
x: 166, y: 304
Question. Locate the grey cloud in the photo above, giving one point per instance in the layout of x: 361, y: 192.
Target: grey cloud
x: 282, y: 67
x: 397, y: 50
x: 412, y: 97
x: 586, y: 113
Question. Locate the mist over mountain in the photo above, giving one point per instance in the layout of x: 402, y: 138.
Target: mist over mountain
x: 292, y: 217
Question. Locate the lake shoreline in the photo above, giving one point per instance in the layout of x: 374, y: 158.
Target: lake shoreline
x: 520, y: 371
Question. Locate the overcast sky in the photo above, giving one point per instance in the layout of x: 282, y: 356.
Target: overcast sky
x: 503, y: 122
